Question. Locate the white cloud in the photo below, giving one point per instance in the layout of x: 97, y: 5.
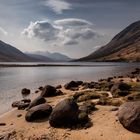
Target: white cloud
x: 42, y: 30
x: 3, y: 32
x: 73, y: 22
x: 62, y: 32
x: 58, y: 6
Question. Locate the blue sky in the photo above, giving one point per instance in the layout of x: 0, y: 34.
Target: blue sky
x: 73, y: 27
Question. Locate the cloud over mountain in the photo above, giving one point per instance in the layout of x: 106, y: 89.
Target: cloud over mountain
x: 66, y: 31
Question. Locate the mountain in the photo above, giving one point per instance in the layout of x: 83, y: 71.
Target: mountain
x: 53, y: 56
x: 125, y: 46
x: 9, y: 53
x: 40, y: 58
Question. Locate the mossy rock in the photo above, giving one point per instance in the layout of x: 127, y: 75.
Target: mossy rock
x: 88, y: 96
x: 110, y: 101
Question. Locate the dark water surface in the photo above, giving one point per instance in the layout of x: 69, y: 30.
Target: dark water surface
x: 13, y: 79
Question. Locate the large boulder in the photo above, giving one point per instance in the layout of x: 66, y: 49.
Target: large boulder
x: 129, y: 116
x: 120, y: 89
x: 73, y: 84
x: 38, y: 112
x: 65, y: 113
x: 48, y: 91
x: 39, y: 100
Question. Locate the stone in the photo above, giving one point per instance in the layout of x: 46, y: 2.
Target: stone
x: 39, y: 100
x: 38, y: 112
x: 129, y: 116
x: 120, y: 89
x: 25, y: 91
x: 48, y: 91
x: 58, y: 87
x: 65, y: 113
x: 73, y: 84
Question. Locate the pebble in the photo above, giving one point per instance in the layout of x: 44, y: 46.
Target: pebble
x: 2, y: 124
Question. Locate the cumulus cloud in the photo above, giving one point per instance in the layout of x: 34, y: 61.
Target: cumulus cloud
x: 58, y: 6
x: 42, y: 30
x: 2, y: 31
x: 65, y: 31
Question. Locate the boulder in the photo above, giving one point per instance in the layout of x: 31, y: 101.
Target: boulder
x: 73, y: 84
x: 129, y: 116
x: 38, y: 112
x: 65, y: 113
x: 25, y: 91
x: 120, y: 89
x: 48, y: 91
x: 39, y: 100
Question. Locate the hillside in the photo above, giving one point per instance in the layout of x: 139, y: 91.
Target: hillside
x: 9, y: 53
x: 125, y: 46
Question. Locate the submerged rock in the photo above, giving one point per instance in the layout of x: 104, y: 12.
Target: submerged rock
x: 25, y: 91
x: 38, y: 112
x: 129, y: 116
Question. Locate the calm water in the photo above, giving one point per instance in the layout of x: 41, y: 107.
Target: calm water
x: 12, y: 80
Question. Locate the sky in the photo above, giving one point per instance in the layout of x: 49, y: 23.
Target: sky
x: 72, y: 27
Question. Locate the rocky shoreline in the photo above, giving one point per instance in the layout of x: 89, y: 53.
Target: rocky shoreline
x: 86, y: 110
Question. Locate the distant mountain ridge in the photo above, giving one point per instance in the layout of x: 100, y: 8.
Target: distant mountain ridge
x: 53, y: 56
x: 125, y: 46
x: 9, y: 53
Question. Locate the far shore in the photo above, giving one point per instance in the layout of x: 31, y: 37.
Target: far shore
x: 51, y: 65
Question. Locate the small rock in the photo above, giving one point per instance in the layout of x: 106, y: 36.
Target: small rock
x: 2, y: 124
x: 58, y: 87
x: 25, y: 91
x: 19, y: 115
x: 114, y: 109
